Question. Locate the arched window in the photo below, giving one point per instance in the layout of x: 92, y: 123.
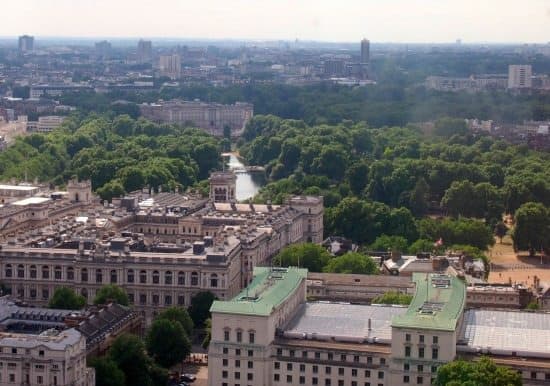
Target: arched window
x: 33, y: 271
x: 168, y: 277
x: 213, y: 280
x: 45, y: 272
x: 84, y: 275
x: 21, y: 271
x: 142, y: 277
x: 181, y: 278
x: 98, y: 276
x: 130, y: 276
x: 113, y: 276
x: 70, y: 273
x: 8, y: 270
x: 57, y: 272
x: 156, y: 277
x: 194, y: 278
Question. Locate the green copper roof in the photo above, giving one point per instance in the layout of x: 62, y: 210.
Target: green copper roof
x: 269, y: 288
x: 437, y: 304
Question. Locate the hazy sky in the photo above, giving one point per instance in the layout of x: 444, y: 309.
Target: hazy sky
x: 334, y: 20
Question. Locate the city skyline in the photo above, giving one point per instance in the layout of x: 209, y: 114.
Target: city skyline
x: 415, y: 21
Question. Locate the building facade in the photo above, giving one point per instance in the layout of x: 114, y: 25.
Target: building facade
x: 211, y: 117
x: 170, y: 66
x: 269, y: 334
x: 520, y: 76
x: 26, y: 43
x: 50, y: 358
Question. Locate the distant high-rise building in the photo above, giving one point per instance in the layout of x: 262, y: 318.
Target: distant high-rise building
x: 103, y: 49
x: 365, y: 51
x: 26, y: 43
x: 519, y: 76
x: 170, y: 66
x: 145, y: 51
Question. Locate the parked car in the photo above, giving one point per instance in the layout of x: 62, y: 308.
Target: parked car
x: 188, y: 378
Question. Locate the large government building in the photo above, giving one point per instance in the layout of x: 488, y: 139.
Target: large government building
x: 161, y: 248
x: 269, y: 334
x: 212, y: 117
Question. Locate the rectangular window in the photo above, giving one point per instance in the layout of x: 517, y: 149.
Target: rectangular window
x: 327, y: 382
x: 369, y: 360
x: 225, y: 362
x: 435, y: 353
x: 435, y: 340
x: 226, y: 335
x: 434, y: 369
x: 224, y: 374
x: 276, y: 377
x: 356, y: 358
x: 421, y: 338
x: 250, y: 353
x: 382, y: 361
x: 239, y: 336
x: 225, y: 350
x: 289, y: 379
x: 367, y: 373
x: 340, y: 371
x: 291, y: 353
x: 328, y: 369
x: 289, y: 366
x: 277, y: 365
x: 343, y: 357
x: 317, y: 355
x: 380, y: 375
x: 302, y: 368
x: 353, y: 372
x: 406, y: 379
x: 421, y: 352
x: 304, y: 354
x: 302, y: 380
x: 315, y: 369
x: 279, y: 351
x: 314, y: 381
x: 251, y: 337
x: 420, y: 368
x: 238, y: 352
x: 407, y: 351
x: 406, y: 367
x: 420, y: 380
x: 330, y: 356
x: 237, y: 375
x: 250, y: 364
x: 249, y: 377
x: 407, y: 337
x: 237, y: 363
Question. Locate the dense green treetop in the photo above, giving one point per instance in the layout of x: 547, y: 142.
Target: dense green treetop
x: 532, y: 230
x: 199, y: 311
x: 476, y: 373
x: 167, y: 342
x: 311, y: 256
x: 352, y: 262
x: 111, y: 292
x: 118, y: 155
x: 178, y: 314
x: 66, y: 299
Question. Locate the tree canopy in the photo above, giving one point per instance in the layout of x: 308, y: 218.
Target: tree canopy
x: 476, y: 373
x: 532, y: 230
x: 199, y: 311
x: 107, y: 372
x: 311, y: 256
x: 111, y: 292
x: 352, y: 262
x: 66, y: 299
x: 167, y: 342
x: 178, y: 314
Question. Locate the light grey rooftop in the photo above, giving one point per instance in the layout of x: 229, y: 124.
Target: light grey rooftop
x: 51, y: 339
x: 506, y: 332
x: 343, y: 322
